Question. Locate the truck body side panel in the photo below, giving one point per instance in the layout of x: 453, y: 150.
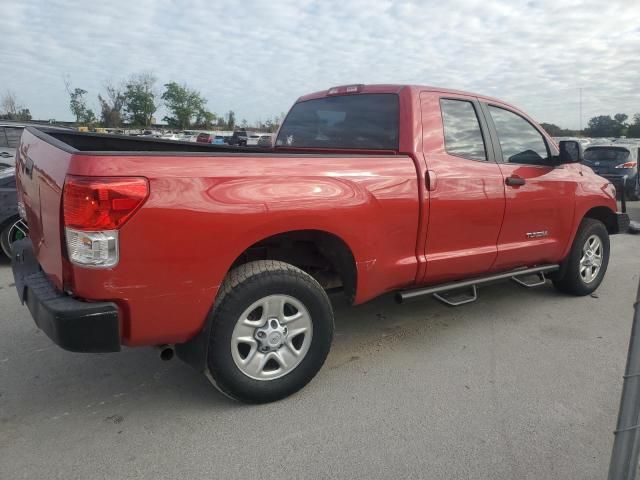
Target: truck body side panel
x: 204, y: 211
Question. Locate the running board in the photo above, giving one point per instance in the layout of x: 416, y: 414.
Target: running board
x: 474, y: 282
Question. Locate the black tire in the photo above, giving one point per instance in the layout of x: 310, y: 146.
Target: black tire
x: 245, y: 285
x: 572, y: 281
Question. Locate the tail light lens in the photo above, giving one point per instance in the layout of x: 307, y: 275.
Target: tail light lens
x: 627, y: 165
x: 94, y: 208
x: 102, y: 203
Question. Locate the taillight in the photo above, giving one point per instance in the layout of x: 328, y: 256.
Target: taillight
x: 627, y: 165
x: 102, y: 203
x: 94, y: 208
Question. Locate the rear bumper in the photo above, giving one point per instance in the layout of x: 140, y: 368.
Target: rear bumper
x: 72, y: 324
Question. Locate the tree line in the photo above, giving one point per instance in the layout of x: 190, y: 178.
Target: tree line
x: 135, y: 101
x: 11, y: 109
x: 601, y: 126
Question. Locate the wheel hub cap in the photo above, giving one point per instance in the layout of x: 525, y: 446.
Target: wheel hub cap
x: 271, y: 337
x: 591, y: 260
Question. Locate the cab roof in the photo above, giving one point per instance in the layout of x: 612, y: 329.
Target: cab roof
x: 394, y: 88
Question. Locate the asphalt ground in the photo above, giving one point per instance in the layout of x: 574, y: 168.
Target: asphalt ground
x: 523, y: 383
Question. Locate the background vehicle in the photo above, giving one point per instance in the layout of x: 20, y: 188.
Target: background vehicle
x: 204, y: 138
x: 189, y: 136
x: 252, y: 139
x: 369, y: 189
x: 613, y: 161
x: 239, y: 138
x: 12, y: 228
x: 265, y: 140
x: 171, y: 136
x: 218, y: 140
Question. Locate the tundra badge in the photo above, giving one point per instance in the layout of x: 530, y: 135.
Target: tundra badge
x: 540, y: 234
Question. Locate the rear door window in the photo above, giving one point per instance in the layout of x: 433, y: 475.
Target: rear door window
x: 363, y: 121
x: 462, y: 134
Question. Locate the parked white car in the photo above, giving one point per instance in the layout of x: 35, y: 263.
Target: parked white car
x: 171, y: 136
x: 265, y: 140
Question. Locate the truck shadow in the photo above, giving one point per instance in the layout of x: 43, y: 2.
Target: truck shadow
x: 49, y: 379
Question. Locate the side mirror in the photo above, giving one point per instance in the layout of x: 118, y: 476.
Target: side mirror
x: 570, y: 152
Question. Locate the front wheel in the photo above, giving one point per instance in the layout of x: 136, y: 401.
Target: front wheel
x: 588, y: 259
x: 13, y: 231
x: 271, y: 331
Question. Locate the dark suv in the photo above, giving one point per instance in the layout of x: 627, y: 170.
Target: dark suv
x: 238, y: 138
x: 613, y: 162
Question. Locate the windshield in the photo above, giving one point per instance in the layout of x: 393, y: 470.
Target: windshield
x: 612, y: 154
x: 367, y: 121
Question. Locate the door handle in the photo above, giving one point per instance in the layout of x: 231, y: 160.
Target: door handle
x: 515, y: 181
x: 430, y: 180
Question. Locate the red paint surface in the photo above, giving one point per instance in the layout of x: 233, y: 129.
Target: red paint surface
x: 203, y: 212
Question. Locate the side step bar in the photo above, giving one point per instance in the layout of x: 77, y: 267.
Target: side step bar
x: 474, y: 282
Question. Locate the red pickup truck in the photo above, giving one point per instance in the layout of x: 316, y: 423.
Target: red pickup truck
x: 226, y: 254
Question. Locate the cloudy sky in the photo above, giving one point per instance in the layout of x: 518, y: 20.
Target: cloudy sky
x: 257, y: 57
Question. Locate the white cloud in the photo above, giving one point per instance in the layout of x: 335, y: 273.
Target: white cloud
x: 256, y: 57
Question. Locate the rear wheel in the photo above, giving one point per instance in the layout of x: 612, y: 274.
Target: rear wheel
x: 15, y: 230
x: 588, y: 259
x: 271, y: 332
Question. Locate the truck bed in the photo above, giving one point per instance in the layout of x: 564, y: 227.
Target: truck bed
x: 104, y: 143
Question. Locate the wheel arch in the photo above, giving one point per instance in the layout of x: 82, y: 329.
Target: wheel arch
x: 322, y: 254
x: 604, y: 215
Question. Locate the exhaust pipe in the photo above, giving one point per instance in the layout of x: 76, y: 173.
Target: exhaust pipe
x: 166, y: 352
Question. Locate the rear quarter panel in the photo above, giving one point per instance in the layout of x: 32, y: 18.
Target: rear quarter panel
x: 203, y: 212
x: 41, y: 191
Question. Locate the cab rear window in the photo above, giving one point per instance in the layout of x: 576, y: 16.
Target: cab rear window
x: 365, y: 121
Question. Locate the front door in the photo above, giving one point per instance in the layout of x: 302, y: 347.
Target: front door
x: 466, y: 197
x: 540, y: 197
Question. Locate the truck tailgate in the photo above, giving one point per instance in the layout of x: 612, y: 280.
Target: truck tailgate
x: 40, y: 174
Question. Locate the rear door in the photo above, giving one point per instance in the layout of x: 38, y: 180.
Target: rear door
x: 540, y: 197
x: 466, y: 197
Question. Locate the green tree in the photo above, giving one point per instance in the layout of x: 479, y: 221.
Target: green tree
x: 78, y: 105
x: 185, y: 105
x: 633, y: 131
x: 10, y: 109
x: 621, y: 118
x: 556, y: 131
x: 111, y: 106
x: 204, y: 119
x: 139, y: 99
x: 231, y: 120
x: 603, y: 126
x: 23, y: 115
